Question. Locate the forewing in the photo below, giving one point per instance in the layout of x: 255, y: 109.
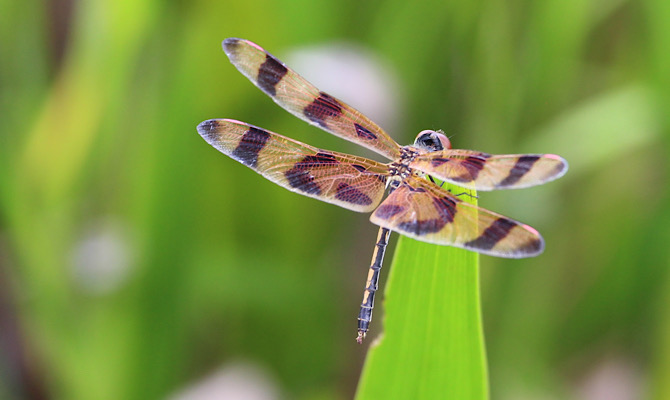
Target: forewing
x: 355, y: 183
x: 481, y: 171
x: 302, y: 99
x: 425, y: 212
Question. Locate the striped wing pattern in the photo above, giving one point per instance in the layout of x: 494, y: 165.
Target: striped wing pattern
x: 355, y: 183
x: 302, y: 99
x: 425, y: 212
x: 481, y: 171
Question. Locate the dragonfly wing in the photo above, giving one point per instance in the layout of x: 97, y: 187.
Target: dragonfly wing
x: 355, y: 183
x: 481, y: 171
x: 302, y: 99
x: 423, y: 211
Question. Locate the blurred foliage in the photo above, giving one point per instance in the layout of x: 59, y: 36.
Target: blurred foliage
x: 100, y: 165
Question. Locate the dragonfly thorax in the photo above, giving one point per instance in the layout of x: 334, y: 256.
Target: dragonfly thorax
x: 399, y: 171
x: 430, y: 140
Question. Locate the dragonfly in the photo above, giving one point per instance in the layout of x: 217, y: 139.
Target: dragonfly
x: 402, y: 195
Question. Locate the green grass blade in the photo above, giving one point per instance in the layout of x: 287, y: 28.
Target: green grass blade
x: 432, y: 346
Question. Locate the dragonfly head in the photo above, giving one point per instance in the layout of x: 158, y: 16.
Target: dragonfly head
x: 432, y: 140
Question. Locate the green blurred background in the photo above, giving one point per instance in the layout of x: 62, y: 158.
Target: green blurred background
x: 136, y: 262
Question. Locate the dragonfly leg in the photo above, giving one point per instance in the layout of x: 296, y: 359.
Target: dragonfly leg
x: 467, y: 194
x: 459, y: 194
x: 433, y: 180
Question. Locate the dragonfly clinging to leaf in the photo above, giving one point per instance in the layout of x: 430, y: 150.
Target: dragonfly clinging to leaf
x: 402, y: 194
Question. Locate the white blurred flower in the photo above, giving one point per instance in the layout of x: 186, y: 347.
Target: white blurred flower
x: 102, y: 258
x: 612, y: 379
x: 238, y: 381
x: 353, y: 75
